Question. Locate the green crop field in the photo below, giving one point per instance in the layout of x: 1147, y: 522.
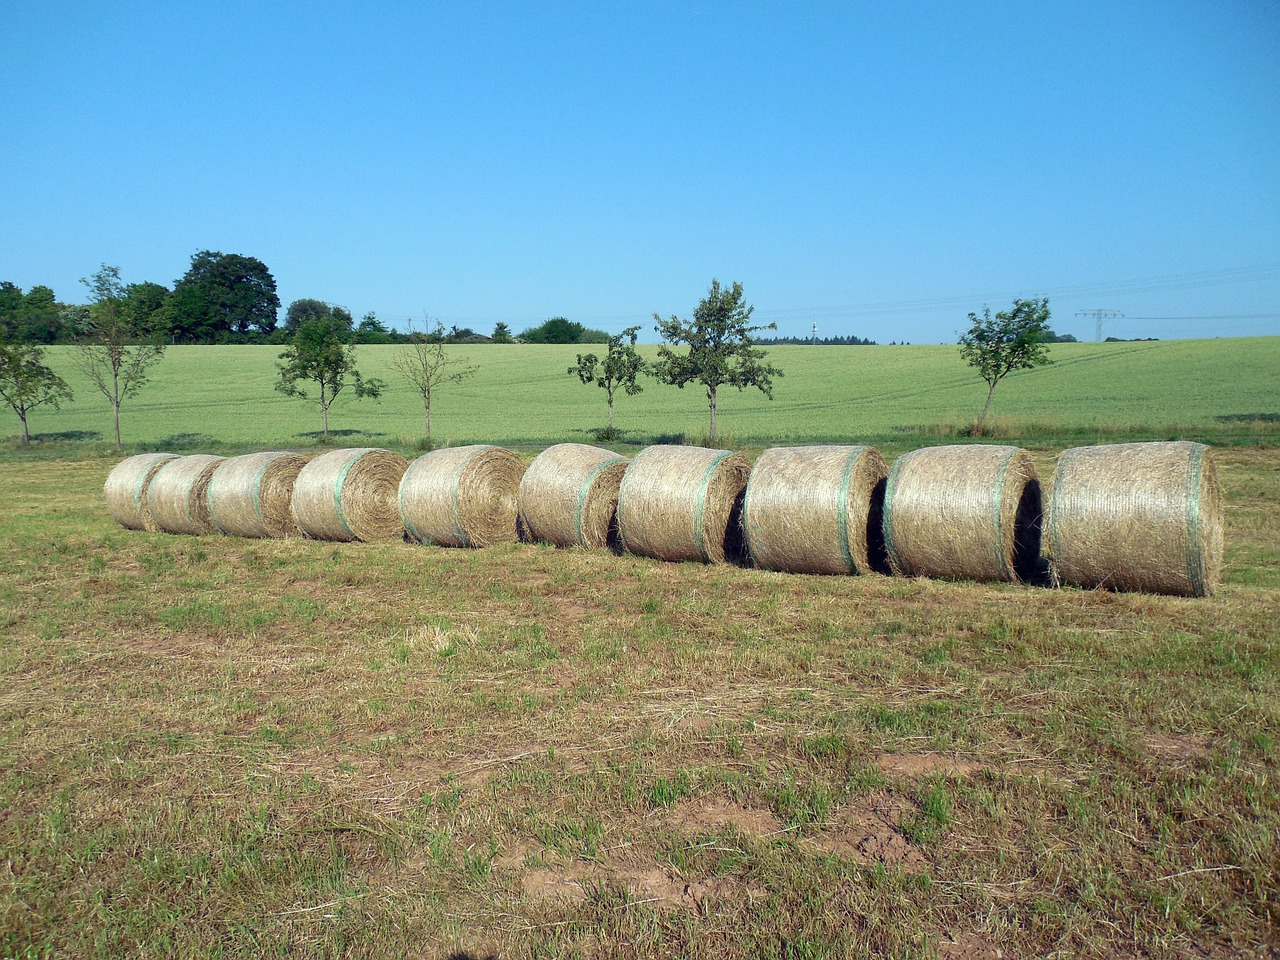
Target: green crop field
x: 222, y: 397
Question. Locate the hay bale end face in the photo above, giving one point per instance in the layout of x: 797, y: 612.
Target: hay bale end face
x: 252, y: 495
x: 177, y: 496
x: 462, y: 496
x: 964, y: 512
x: 1137, y: 516
x: 683, y: 503
x: 569, y: 495
x: 126, y: 489
x: 817, y: 510
x: 350, y: 494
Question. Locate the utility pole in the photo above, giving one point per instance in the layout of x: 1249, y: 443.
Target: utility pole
x: 1098, y: 317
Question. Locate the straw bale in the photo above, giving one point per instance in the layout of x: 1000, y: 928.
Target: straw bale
x: 251, y: 495
x: 817, y: 510
x: 569, y: 495
x: 683, y: 503
x: 126, y: 489
x: 1137, y: 516
x: 964, y: 512
x: 349, y: 494
x: 177, y: 496
x: 462, y: 496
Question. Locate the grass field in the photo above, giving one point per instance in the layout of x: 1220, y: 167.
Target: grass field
x: 228, y: 748
x: 222, y: 398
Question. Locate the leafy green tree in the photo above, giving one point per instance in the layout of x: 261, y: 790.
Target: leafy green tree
x: 300, y: 311
x: 560, y: 330
x: 619, y: 370
x: 1011, y: 340
x: 26, y: 383
x: 322, y: 357
x: 722, y: 348
x: 223, y: 296
x: 33, y: 318
x: 427, y: 367
x: 501, y: 333
x: 373, y: 330
x: 145, y: 304
x: 114, y: 351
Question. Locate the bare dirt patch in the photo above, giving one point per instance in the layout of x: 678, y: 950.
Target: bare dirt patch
x: 1175, y: 748
x: 867, y: 831
x: 710, y: 816
x: 643, y: 883
x: 970, y: 946
x: 914, y: 765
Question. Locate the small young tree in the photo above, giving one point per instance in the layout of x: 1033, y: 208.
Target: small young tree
x: 501, y: 333
x: 427, y: 367
x: 618, y: 371
x: 321, y: 354
x: 1011, y: 340
x: 26, y: 383
x: 722, y: 348
x: 115, y: 351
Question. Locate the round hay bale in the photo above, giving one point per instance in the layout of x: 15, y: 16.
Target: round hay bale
x: 251, y: 495
x: 683, y: 503
x: 177, y: 496
x: 817, y: 510
x: 462, y: 496
x: 965, y: 512
x: 569, y: 495
x: 126, y: 489
x: 1137, y: 516
x: 350, y: 494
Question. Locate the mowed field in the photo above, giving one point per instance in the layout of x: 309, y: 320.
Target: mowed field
x: 234, y: 748
x: 223, y: 397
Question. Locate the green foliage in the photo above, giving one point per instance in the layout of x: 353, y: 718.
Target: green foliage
x: 26, y: 383
x: 115, y: 351
x: 33, y: 318
x: 501, y: 333
x: 722, y: 348
x: 222, y: 296
x: 424, y: 363
x: 321, y: 354
x: 1012, y: 340
x: 560, y: 330
x: 618, y: 370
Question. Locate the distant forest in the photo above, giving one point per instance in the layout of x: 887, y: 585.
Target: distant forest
x: 819, y: 341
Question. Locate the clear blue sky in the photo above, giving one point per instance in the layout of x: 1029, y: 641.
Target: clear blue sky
x: 879, y: 168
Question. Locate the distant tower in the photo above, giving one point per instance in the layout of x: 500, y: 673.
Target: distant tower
x: 1098, y: 317
x: 815, y: 333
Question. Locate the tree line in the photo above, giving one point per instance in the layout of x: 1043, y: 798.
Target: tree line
x: 124, y: 330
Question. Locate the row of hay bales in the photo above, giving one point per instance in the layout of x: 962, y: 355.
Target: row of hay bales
x: 1140, y: 516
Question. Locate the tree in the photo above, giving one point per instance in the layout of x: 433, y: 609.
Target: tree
x: 115, y: 352
x: 722, y: 348
x: 1012, y: 340
x: 618, y: 371
x: 425, y: 365
x: 300, y: 311
x: 223, y: 296
x: 560, y: 330
x: 321, y: 353
x: 501, y: 333
x: 26, y: 383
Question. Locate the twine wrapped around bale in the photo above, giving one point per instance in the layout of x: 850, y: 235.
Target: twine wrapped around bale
x: 126, y: 489
x: 462, y: 496
x: 350, y: 494
x: 817, y: 510
x: 965, y: 512
x: 1137, y: 516
x: 683, y: 503
x: 569, y: 495
x: 251, y: 495
x: 177, y: 496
